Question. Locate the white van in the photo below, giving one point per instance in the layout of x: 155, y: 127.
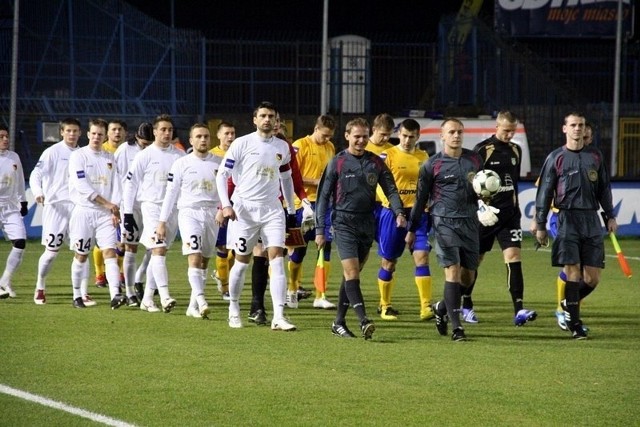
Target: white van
x: 475, y: 130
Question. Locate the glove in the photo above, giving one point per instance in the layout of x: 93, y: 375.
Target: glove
x: 307, y: 210
x: 24, y: 208
x: 130, y: 223
x: 487, y: 214
x: 292, y: 221
x: 308, y: 217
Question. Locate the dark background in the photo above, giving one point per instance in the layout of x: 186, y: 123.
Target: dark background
x: 371, y: 19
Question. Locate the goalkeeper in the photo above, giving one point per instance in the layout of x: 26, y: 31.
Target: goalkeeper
x: 503, y: 157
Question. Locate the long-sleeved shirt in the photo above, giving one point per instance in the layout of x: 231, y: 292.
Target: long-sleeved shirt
x: 91, y: 174
x: 148, y: 174
x: 191, y: 184
x: 444, y: 183
x: 503, y: 158
x: 12, y: 186
x: 257, y: 166
x: 50, y: 176
x: 573, y: 180
x: 349, y: 184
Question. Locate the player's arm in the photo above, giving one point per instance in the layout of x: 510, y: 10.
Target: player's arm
x: 326, y: 187
x: 131, y: 183
x: 35, y: 178
x: 223, y: 177
x: 20, y: 185
x: 174, y: 183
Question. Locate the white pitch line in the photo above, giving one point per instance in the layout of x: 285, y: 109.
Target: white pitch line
x: 607, y: 255
x: 63, y: 407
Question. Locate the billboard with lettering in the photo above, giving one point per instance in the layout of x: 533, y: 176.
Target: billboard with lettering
x: 562, y: 18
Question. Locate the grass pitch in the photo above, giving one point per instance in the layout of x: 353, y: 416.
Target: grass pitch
x: 170, y: 369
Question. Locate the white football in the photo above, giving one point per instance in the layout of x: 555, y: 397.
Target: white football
x: 486, y: 183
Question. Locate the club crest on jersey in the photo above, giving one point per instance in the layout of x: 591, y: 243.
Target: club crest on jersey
x: 80, y: 174
x: 513, y: 161
x: 279, y: 157
x: 372, y: 179
x: 593, y: 175
x: 170, y: 177
x: 15, y: 167
x: 109, y: 165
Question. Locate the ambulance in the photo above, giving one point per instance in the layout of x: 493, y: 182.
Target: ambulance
x: 476, y: 130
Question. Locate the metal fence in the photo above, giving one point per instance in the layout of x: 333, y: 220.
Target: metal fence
x: 127, y: 65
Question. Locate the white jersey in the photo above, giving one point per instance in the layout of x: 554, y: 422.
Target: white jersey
x: 147, y: 176
x: 192, y: 183
x: 254, y: 165
x: 91, y: 174
x: 50, y: 176
x: 124, y: 158
x: 11, y: 180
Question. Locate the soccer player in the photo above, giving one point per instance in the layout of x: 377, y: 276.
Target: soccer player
x: 49, y: 183
x: 576, y: 179
x: 350, y: 181
x: 116, y: 134
x: 503, y: 157
x: 13, y: 206
x: 192, y: 187
x: 445, y: 183
x: 260, y: 268
x: 313, y: 152
x: 404, y: 162
x: 381, y: 130
x: 226, y: 134
x: 124, y: 157
x: 259, y: 165
x: 147, y: 181
x: 95, y: 190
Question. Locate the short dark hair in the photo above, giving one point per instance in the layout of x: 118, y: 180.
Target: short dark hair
x: 122, y: 123
x: 224, y: 124
x: 451, y: 119
x: 265, y: 104
x: 162, y: 118
x: 411, y: 125
x: 4, y: 127
x: 69, y: 121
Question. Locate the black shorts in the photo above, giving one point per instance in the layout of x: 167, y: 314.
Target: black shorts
x: 353, y: 234
x: 580, y: 239
x: 507, y: 230
x: 457, y: 241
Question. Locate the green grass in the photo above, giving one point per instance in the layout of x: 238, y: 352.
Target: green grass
x: 169, y: 369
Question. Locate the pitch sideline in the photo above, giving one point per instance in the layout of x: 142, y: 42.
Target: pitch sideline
x: 63, y: 407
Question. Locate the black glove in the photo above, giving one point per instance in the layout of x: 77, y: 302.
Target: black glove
x: 292, y: 221
x: 130, y: 223
x: 24, y: 208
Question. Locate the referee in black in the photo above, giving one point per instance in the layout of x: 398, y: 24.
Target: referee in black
x: 348, y: 184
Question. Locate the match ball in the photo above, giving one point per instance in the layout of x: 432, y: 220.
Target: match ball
x: 486, y: 183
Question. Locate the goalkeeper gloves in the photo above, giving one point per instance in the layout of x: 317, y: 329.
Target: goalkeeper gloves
x: 487, y: 214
